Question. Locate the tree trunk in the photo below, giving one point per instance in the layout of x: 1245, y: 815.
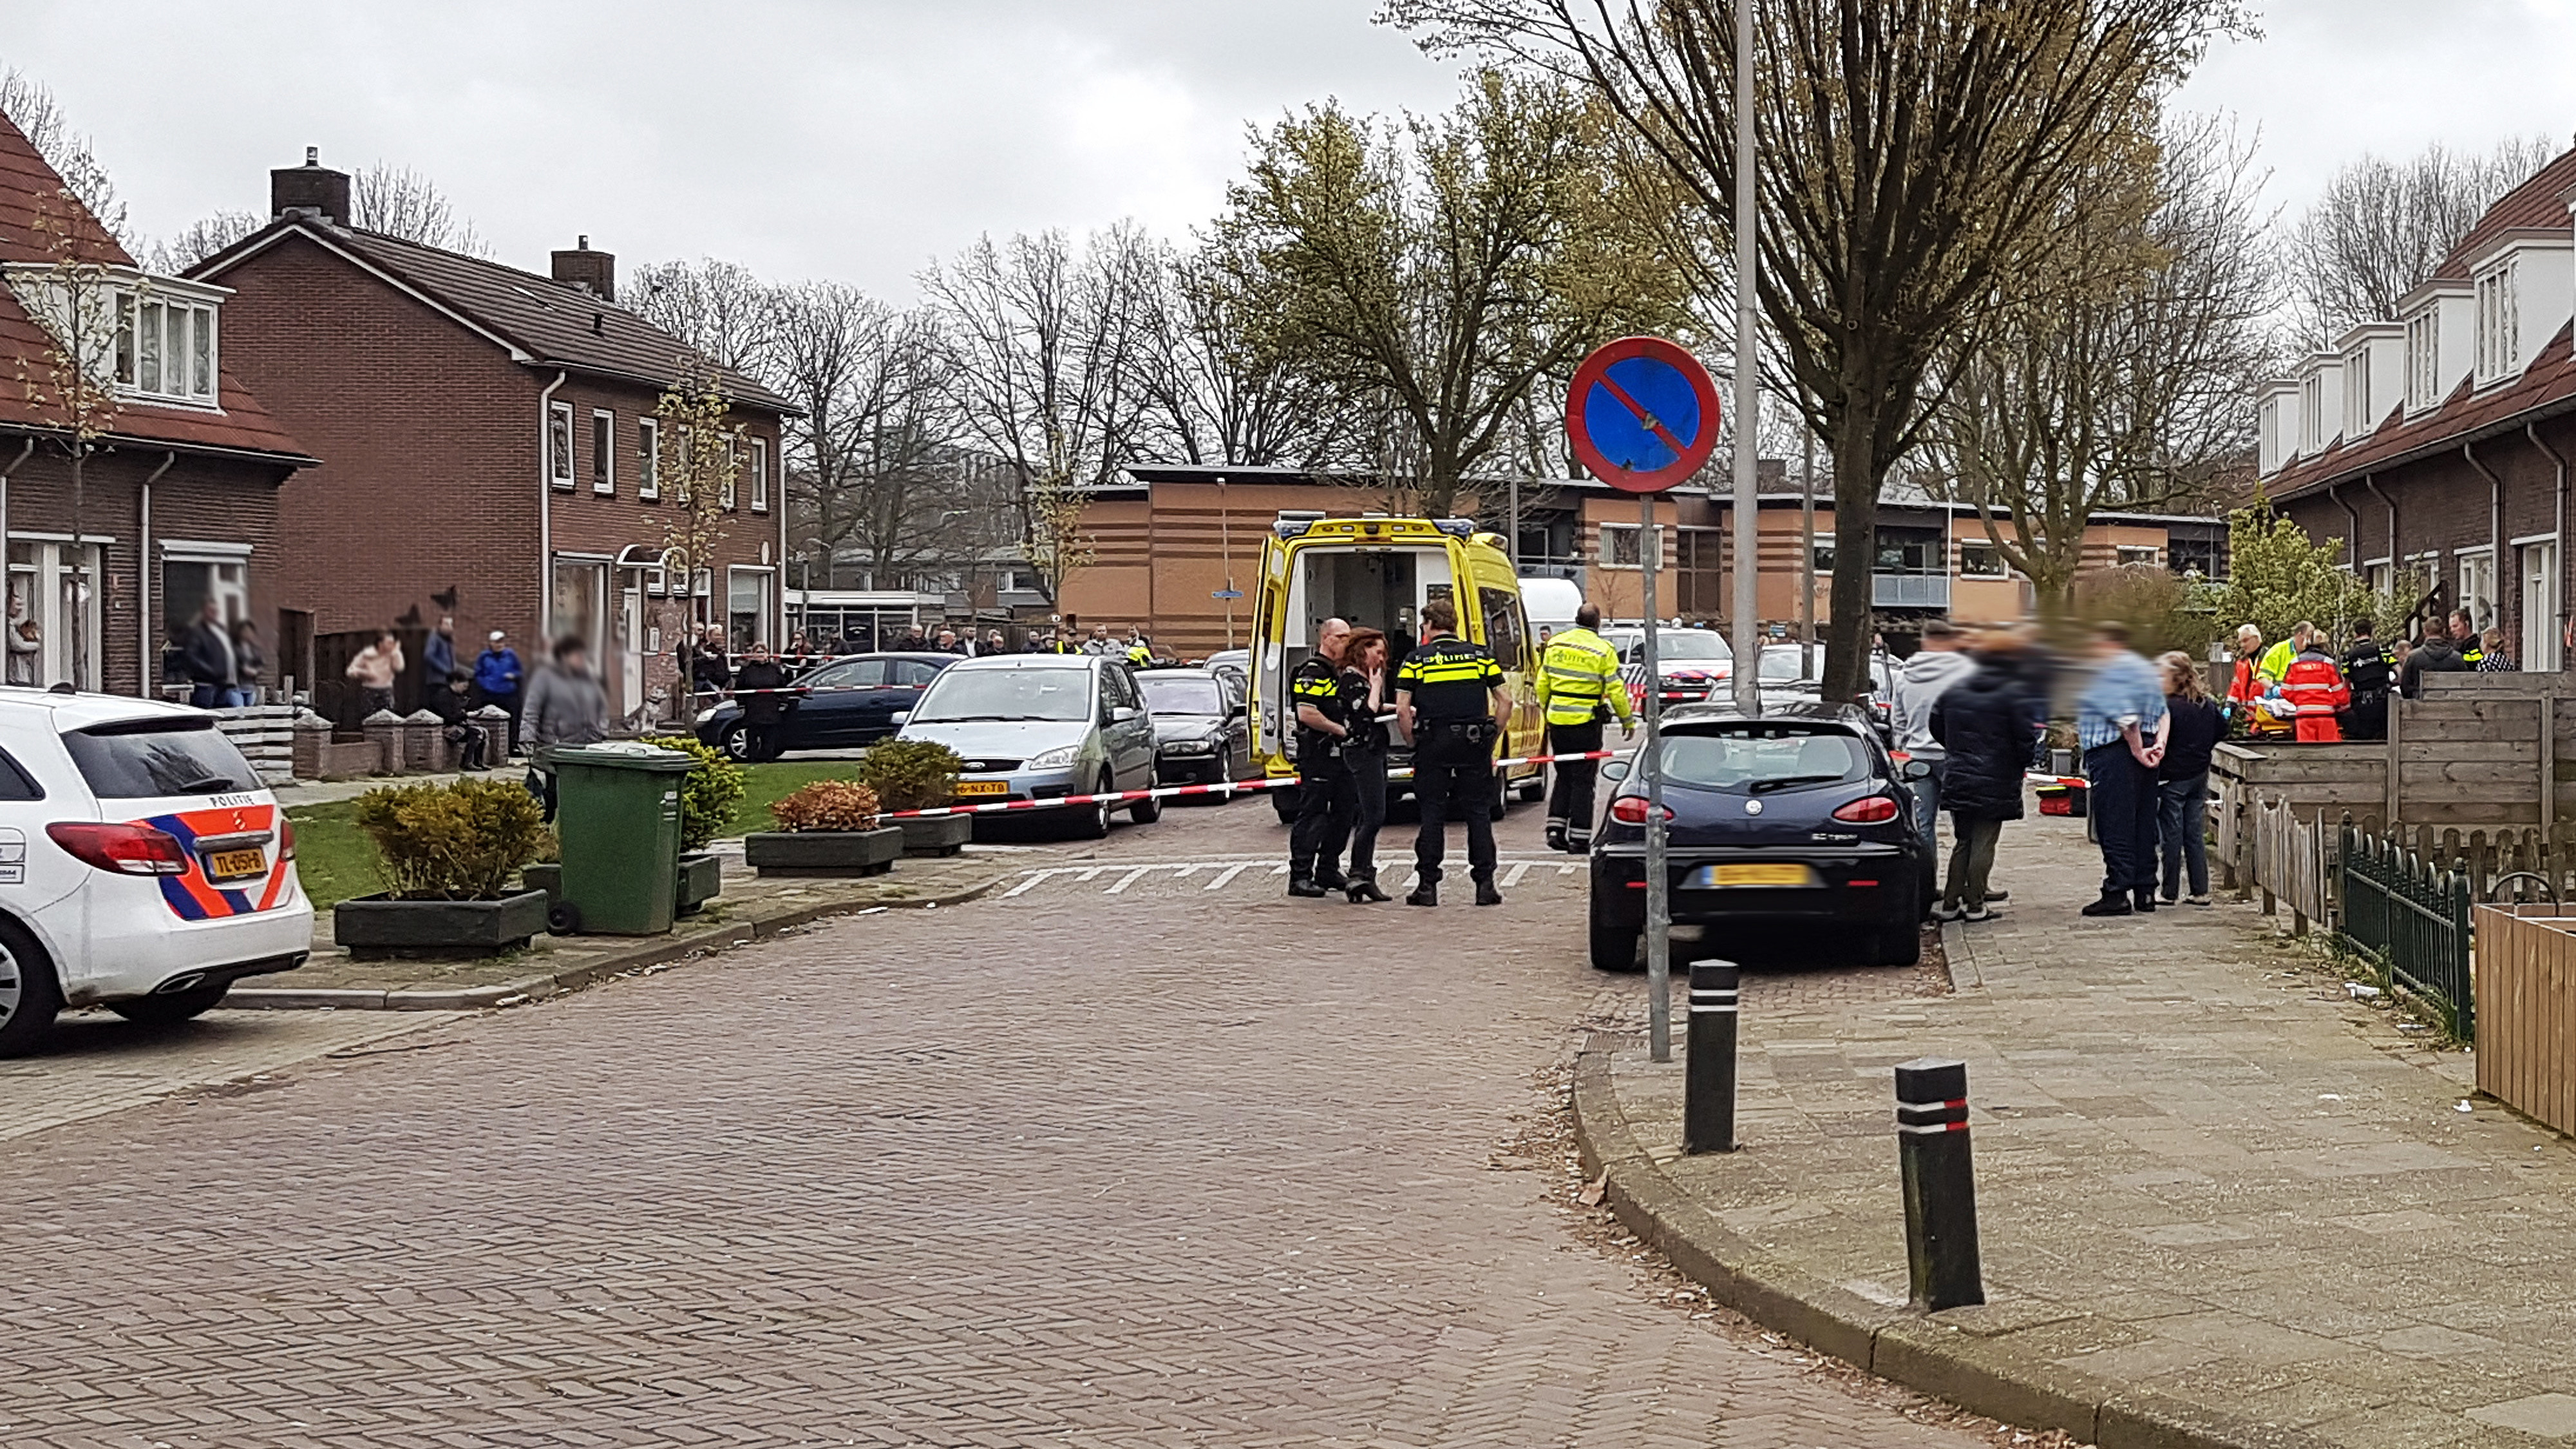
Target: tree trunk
x: 81, y: 583
x: 1856, y: 479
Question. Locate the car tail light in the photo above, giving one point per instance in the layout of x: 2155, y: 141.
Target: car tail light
x: 1631, y: 810
x: 1874, y: 810
x: 285, y: 837
x: 125, y: 849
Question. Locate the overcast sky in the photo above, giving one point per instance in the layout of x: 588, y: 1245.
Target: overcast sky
x: 858, y: 138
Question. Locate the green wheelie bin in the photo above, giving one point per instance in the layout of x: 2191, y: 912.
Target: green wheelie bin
x: 617, y: 815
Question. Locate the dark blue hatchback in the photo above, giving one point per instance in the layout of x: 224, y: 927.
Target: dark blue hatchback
x: 1799, y: 817
x: 841, y: 704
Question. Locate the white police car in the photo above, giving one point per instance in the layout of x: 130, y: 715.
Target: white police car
x: 143, y: 867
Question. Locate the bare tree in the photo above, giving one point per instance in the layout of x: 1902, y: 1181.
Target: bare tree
x: 30, y: 105
x: 400, y: 202
x: 1214, y: 394
x: 698, y: 455
x: 2380, y: 227
x: 1447, y: 267
x: 719, y: 309
x: 1913, y: 155
x: 203, y: 238
x: 1041, y: 371
x: 2121, y: 372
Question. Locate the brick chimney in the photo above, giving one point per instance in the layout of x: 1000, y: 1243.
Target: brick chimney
x: 593, y: 272
x: 311, y: 189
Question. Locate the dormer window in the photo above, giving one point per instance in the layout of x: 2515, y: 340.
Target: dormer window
x: 2357, y: 421
x: 2312, y: 410
x: 2498, y: 323
x: 165, y: 347
x: 2423, y: 359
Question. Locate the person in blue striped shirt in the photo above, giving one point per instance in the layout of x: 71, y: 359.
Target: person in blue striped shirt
x: 2120, y: 724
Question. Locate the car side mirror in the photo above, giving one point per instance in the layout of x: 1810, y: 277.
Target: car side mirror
x: 902, y: 717
x: 1615, y: 770
x: 1918, y: 769
x: 1238, y: 709
x: 1122, y: 714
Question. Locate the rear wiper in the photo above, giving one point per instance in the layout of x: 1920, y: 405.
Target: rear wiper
x: 205, y: 785
x: 1765, y: 787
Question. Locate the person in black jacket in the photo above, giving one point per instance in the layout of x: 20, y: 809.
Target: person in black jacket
x: 2193, y: 727
x: 764, y: 707
x: 1985, y: 723
x: 2371, y: 669
x: 453, y: 703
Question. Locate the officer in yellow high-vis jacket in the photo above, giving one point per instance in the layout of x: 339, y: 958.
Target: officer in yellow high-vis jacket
x: 1578, y: 687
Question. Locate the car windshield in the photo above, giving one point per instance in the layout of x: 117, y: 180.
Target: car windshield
x: 1757, y: 759
x: 1685, y: 646
x: 1026, y: 693
x: 1782, y: 666
x: 145, y: 759
x: 1181, y: 694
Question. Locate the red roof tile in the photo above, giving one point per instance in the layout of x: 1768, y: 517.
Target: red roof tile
x: 2536, y: 204
x: 28, y: 188
x: 2551, y: 379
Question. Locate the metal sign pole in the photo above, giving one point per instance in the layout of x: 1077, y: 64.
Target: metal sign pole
x: 1659, y: 902
x: 1748, y: 382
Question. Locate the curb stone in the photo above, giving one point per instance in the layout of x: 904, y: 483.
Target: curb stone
x: 655, y: 952
x: 1957, y: 1356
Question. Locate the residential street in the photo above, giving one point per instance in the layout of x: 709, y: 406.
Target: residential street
x: 1149, y: 1158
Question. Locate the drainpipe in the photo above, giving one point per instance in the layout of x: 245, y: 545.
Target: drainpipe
x: 143, y: 660
x: 2395, y: 554
x: 15, y: 464
x: 2495, y: 526
x: 546, y: 514
x: 2557, y: 461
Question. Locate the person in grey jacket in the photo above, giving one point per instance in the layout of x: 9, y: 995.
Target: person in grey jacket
x: 565, y: 706
x: 1927, y: 675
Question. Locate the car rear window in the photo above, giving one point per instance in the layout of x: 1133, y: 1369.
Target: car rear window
x: 146, y: 759
x: 1757, y: 759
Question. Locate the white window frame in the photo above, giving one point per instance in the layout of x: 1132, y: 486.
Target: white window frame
x: 760, y: 475
x: 132, y: 307
x: 2423, y: 358
x: 2467, y: 564
x: 1968, y: 570
x: 1610, y: 554
x: 2312, y: 410
x: 2357, y: 420
x: 731, y: 491
x: 2498, y: 323
x: 559, y: 445
x: 2540, y: 649
x: 2120, y: 555
x: 603, y: 447
x: 648, y: 459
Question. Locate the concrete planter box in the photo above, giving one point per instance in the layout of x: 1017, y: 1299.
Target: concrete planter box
x: 823, y: 852
x: 373, y: 928
x: 937, y: 835
x: 544, y: 876
x: 701, y: 880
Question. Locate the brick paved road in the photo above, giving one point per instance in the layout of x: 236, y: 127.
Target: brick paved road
x: 1169, y: 1167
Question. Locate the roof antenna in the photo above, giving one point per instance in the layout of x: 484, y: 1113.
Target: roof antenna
x: 312, y: 155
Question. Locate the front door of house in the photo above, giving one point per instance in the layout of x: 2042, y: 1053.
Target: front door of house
x: 630, y: 653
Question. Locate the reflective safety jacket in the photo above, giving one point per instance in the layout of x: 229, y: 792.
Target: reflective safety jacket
x: 2245, y: 693
x: 1578, y: 675
x: 2316, y: 688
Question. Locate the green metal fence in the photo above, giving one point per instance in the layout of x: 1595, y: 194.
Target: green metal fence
x: 2414, y: 914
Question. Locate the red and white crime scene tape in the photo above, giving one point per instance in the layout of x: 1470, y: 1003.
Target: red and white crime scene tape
x: 1230, y: 787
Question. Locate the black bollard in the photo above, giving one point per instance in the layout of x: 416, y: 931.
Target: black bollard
x: 1708, y: 1083
x: 1940, y: 1184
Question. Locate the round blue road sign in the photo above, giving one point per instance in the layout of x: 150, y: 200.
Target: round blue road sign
x: 1642, y: 414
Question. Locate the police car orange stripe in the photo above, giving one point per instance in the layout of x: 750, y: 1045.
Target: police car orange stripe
x: 191, y: 895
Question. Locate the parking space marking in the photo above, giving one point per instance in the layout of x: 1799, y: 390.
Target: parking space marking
x: 1035, y: 876
x: 1513, y: 876
x: 1130, y: 878
x: 1223, y: 876
x: 1124, y: 879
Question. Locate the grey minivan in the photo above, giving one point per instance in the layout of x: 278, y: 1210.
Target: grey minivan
x: 1041, y: 727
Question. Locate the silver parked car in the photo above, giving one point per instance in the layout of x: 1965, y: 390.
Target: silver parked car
x: 1042, y: 726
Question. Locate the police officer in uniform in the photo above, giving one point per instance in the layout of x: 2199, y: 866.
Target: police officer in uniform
x: 1450, y: 702
x: 1578, y: 686
x: 2370, y: 668
x: 1325, y: 799
x: 2464, y: 638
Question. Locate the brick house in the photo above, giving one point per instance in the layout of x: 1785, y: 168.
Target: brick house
x: 179, y: 495
x: 2435, y: 445
x: 490, y: 450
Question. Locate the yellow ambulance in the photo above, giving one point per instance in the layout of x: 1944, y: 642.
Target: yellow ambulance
x: 1377, y: 571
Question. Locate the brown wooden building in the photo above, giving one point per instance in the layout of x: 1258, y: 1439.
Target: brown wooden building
x: 489, y: 446
x: 178, y: 498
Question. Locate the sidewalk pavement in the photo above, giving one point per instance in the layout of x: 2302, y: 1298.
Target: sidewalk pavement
x: 2220, y: 1202
x: 749, y: 909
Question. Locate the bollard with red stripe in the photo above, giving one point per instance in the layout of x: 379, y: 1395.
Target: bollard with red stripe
x: 1940, y: 1184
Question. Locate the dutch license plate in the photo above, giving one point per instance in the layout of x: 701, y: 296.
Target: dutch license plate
x: 983, y: 787
x: 236, y: 864
x: 1709, y: 877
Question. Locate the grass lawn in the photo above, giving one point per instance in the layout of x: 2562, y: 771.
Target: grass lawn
x: 335, y: 861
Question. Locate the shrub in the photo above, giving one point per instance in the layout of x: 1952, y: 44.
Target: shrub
x: 710, y: 794
x: 910, y: 774
x: 828, y: 805
x: 459, y: 842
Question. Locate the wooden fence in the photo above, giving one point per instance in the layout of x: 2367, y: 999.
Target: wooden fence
x: 2526, y: 991
x: 2292, y: 863
x: 265, y: 734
